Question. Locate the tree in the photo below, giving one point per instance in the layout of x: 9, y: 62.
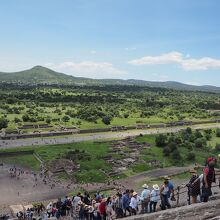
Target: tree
x: 198, y: 134
x: 208, y: 136
x: 189, y: 130
x: 200, y: 143
x: 3, y: 123
x: 161, y: 140
x: 166, y: 151
x: 172, y: 146
x: 25, y: 118
x: 106, y: 120
x: 126, y: 115
x: 217, y: 147
x: 176, y: 156
x: 66, y: 118
x: 191, y: 156
x: 48, y: 120
x: 17, y: 120
x: 217, y: 132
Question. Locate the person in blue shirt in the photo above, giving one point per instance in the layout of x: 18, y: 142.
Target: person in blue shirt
x: 126, y: 202
x: 145, y: 199
x: 170, y: 194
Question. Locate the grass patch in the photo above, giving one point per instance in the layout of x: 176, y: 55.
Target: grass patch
x: 25, y: 161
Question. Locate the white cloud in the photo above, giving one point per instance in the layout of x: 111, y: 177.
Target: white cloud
x: 204, y: 63
x: 185, y: 62
x: 130, y: 48
x: 171, y: 57
x: 88, y: 69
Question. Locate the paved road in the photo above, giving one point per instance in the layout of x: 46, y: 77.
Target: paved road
x: 96, y: 136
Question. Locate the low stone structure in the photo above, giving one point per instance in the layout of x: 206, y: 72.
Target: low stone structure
x: 200, y: 211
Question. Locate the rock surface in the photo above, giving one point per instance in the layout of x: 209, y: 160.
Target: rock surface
x: 200, y: 211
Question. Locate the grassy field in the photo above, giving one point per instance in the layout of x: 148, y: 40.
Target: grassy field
x: 92, y: 169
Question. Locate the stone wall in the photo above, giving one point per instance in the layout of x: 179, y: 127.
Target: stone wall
x: 200, y: 211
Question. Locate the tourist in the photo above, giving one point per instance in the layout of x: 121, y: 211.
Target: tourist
x: 154, y: 197
x: 119, y: 206
x: 81, y: 210
x: 59, y: 208
x: 93, y: 211
x: 208, y: 179
x: 67, y: 205
x: 86, y: 198
x: 126, y: 202
x: 171, y: 195
x: 109, y: 209
x: 134, y: 203
x: 164, y: 194
x: 193, y: 186
x: 49, y: 209
x: 98, y: 196
x: 102, y: 209
x: 145, y: 198
x: 75, y: 200
x: 20, y: 215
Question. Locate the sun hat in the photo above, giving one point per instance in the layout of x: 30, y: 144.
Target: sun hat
x: 134, y: 194
x: 192, y: 171
x: 156, y: 187
x: 166, y: 178
x: 80, y: 203
x: 145, y: 186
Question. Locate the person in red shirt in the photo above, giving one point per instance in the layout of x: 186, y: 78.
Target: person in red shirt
x: 102, y: 209
x: 208, y: 179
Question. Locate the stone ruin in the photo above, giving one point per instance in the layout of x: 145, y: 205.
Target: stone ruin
x: 62, y: 165
x: 129, y: 151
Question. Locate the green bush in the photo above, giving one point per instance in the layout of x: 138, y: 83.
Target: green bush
x: 191, y: 156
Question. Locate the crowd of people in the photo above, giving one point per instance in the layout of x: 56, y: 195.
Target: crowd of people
x: 128, y: 202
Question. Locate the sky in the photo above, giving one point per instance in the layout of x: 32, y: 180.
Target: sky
x: 155, y: 40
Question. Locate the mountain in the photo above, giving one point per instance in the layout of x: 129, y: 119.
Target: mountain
x: 43, y: 75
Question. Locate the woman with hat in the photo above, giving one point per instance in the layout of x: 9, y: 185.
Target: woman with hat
x: 134, y: 203
x: 155, y: 197
x: 193, y: 186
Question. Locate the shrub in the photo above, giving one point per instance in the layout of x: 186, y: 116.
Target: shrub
x: 175, y: 156
x: 161, y: 140
x: 191, y: 156
x: 66, y: 118
x: 217, y: 147
x: 106, y: 120
x: 200, y: 143
x: 3, y: 123
x: 217, y: 132
x: 166, y: 151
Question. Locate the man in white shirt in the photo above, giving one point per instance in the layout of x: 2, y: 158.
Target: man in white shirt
x: 75, y: 202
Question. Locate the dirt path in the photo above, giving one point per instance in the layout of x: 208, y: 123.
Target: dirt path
x: 97, y: 136
x: 134, y: 181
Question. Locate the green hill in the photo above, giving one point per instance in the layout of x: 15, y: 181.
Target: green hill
x: 43, y: 75
x: 36, y: 75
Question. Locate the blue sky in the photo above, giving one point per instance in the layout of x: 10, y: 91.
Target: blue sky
x: 152, y: 40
